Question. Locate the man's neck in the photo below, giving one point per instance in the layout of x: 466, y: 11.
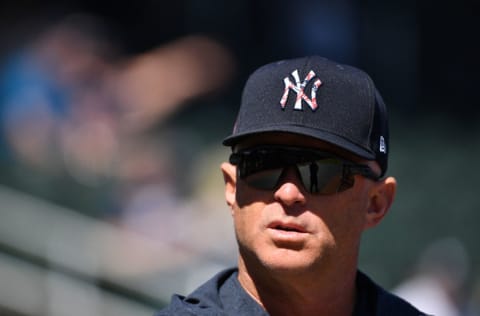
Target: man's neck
x: 321, y: 294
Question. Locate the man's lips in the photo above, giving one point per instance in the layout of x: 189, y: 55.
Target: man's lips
x: 287, y: 227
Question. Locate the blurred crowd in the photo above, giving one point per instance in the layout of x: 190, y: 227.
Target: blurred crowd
x: 81, y: 124
x: 72, y: 104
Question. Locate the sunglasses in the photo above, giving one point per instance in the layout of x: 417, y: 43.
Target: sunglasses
x: 321, y: 173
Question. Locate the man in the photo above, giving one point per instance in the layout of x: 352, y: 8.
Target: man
x: 306, y: 177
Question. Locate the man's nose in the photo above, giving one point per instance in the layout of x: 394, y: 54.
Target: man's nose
x: 290, y: 189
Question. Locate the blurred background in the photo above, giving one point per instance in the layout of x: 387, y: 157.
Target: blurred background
x: 111, y: 120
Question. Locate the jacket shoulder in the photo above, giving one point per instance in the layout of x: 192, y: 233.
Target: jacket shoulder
x: 204, y: 301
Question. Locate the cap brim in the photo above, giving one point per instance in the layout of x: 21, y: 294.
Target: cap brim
x: 301, y: 130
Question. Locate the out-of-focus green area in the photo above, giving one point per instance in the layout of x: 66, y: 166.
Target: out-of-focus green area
x: 112, y: 116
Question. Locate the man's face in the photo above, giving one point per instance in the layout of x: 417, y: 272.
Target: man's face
x: 287, y: 229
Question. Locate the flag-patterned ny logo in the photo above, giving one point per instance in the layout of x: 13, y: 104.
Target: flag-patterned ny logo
x: 299, y: 88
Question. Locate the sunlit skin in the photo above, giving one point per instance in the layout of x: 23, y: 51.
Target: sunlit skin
x: 309, y: 268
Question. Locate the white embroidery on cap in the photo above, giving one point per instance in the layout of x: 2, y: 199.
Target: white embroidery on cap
x: 298, y: 88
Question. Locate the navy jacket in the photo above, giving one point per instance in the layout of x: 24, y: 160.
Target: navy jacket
x: 223, y: 295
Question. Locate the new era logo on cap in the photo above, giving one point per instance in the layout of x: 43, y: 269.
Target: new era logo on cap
x: 345, y: 109
x: 383, y: 146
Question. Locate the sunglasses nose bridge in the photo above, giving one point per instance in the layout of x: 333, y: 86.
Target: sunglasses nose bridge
x: 291, y: 174
x: 290, y: 189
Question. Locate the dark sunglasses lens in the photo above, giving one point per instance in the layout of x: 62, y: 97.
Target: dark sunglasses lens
x: 263, y: 170
x: 264, y: 180
x: 322, y: 176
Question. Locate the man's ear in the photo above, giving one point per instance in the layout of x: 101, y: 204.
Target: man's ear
x: 381, y: 198
x: 230, y: 179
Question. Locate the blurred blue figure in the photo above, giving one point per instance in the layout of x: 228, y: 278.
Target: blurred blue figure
x: 30, y: 98
x: 42, y: 84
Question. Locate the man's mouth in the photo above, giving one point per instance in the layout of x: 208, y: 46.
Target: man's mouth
x: 288, y: 227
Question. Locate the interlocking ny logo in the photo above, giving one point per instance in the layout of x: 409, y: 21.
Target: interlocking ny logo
x: 298, y: 88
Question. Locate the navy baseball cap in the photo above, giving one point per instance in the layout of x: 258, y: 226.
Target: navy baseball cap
x: 319, y: 98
